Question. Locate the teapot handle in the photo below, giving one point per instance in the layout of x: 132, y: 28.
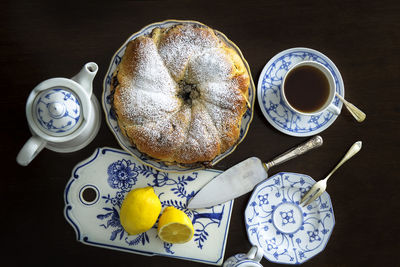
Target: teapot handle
x: 30, y: 150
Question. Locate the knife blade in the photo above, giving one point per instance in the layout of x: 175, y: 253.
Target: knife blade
x: 244, y: 176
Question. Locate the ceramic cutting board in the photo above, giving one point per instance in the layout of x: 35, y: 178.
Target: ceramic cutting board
x: 98, y: 185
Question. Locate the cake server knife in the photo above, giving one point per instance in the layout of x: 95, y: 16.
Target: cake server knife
x: 244, y: 176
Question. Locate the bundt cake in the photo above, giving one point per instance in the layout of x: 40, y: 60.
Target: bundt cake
x: 179, y: 94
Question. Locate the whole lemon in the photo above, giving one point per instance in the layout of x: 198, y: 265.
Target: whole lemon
x: 140, y: 210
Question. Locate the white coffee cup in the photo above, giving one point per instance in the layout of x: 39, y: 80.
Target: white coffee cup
x: 251, y: 259
x: 63, y: 115
x: 327, y: 104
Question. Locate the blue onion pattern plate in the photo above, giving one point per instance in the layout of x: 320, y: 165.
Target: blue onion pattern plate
x: 124, y: 142
x: 98, y: 185
x: 288, y: 232
x: 269, y: 95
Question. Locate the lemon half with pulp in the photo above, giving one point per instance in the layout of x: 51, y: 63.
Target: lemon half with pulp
x: 174, y: 226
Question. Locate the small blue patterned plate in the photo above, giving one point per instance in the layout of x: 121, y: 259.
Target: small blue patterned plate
x: 98, y: 185
x: 288, y: 232
x: 269, y: 95
x: 124, y: 142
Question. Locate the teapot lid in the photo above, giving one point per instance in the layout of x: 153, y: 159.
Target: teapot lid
x: 57, y: 111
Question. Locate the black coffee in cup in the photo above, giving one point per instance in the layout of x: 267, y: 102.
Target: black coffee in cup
x: 306, y: 88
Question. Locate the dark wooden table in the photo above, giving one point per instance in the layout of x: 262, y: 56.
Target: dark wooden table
x: 41, y: 41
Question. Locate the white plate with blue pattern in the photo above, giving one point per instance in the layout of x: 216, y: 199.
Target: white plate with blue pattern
x: 269, y: 95
x: 288, y: 232
x: 124, y: 142
x: 98, y: 185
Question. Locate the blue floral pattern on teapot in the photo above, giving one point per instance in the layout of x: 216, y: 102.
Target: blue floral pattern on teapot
x: 58, y: 111
x: 252, y: 258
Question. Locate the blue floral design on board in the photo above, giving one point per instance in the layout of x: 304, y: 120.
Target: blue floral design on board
x: 122, y: 175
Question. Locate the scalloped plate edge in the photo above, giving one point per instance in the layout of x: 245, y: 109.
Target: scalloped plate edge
x: 219, y: 157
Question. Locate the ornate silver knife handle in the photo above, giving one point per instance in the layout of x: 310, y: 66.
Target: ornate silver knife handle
x: 314, y: 142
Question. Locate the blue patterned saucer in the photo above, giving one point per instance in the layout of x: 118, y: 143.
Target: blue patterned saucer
x: 288, y: 232
x: 94, y: 194
x: 269, y: 96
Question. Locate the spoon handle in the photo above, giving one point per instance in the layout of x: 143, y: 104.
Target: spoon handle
x: 352, y: 151
x: 356, y: 112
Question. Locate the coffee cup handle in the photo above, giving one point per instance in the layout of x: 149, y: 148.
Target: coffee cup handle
x: 256, y: 253
x: 333, y: 109
x: 30, y: 150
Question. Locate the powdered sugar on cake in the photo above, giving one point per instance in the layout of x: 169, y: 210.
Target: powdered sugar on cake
x: 151, y: 93
x: 157, y: 105
x: 213, y: 65
x: 182, y: 101
x: 223, y: 94
x: 202, y: 137
x: 176, y: 50
x: 151, y: 73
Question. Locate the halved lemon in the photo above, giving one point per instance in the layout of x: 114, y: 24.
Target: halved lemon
x: 174, y: 226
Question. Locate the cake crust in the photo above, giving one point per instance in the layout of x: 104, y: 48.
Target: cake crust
x: 179, y: 94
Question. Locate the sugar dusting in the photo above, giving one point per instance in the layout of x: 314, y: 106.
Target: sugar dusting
x: 151, y: 93
x: 176, y: 50
x: 191, y: 132
x: 213, y: 65
x: 151, y: 73
x: 223, y: 94
x: 202, y: 136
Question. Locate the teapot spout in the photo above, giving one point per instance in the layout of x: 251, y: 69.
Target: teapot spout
x: 86, y: 75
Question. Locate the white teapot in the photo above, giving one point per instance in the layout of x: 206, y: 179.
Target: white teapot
x: 251, y: 259
x: 63, y: 115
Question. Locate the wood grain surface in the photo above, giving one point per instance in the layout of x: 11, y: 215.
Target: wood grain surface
x: 44, y: 40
